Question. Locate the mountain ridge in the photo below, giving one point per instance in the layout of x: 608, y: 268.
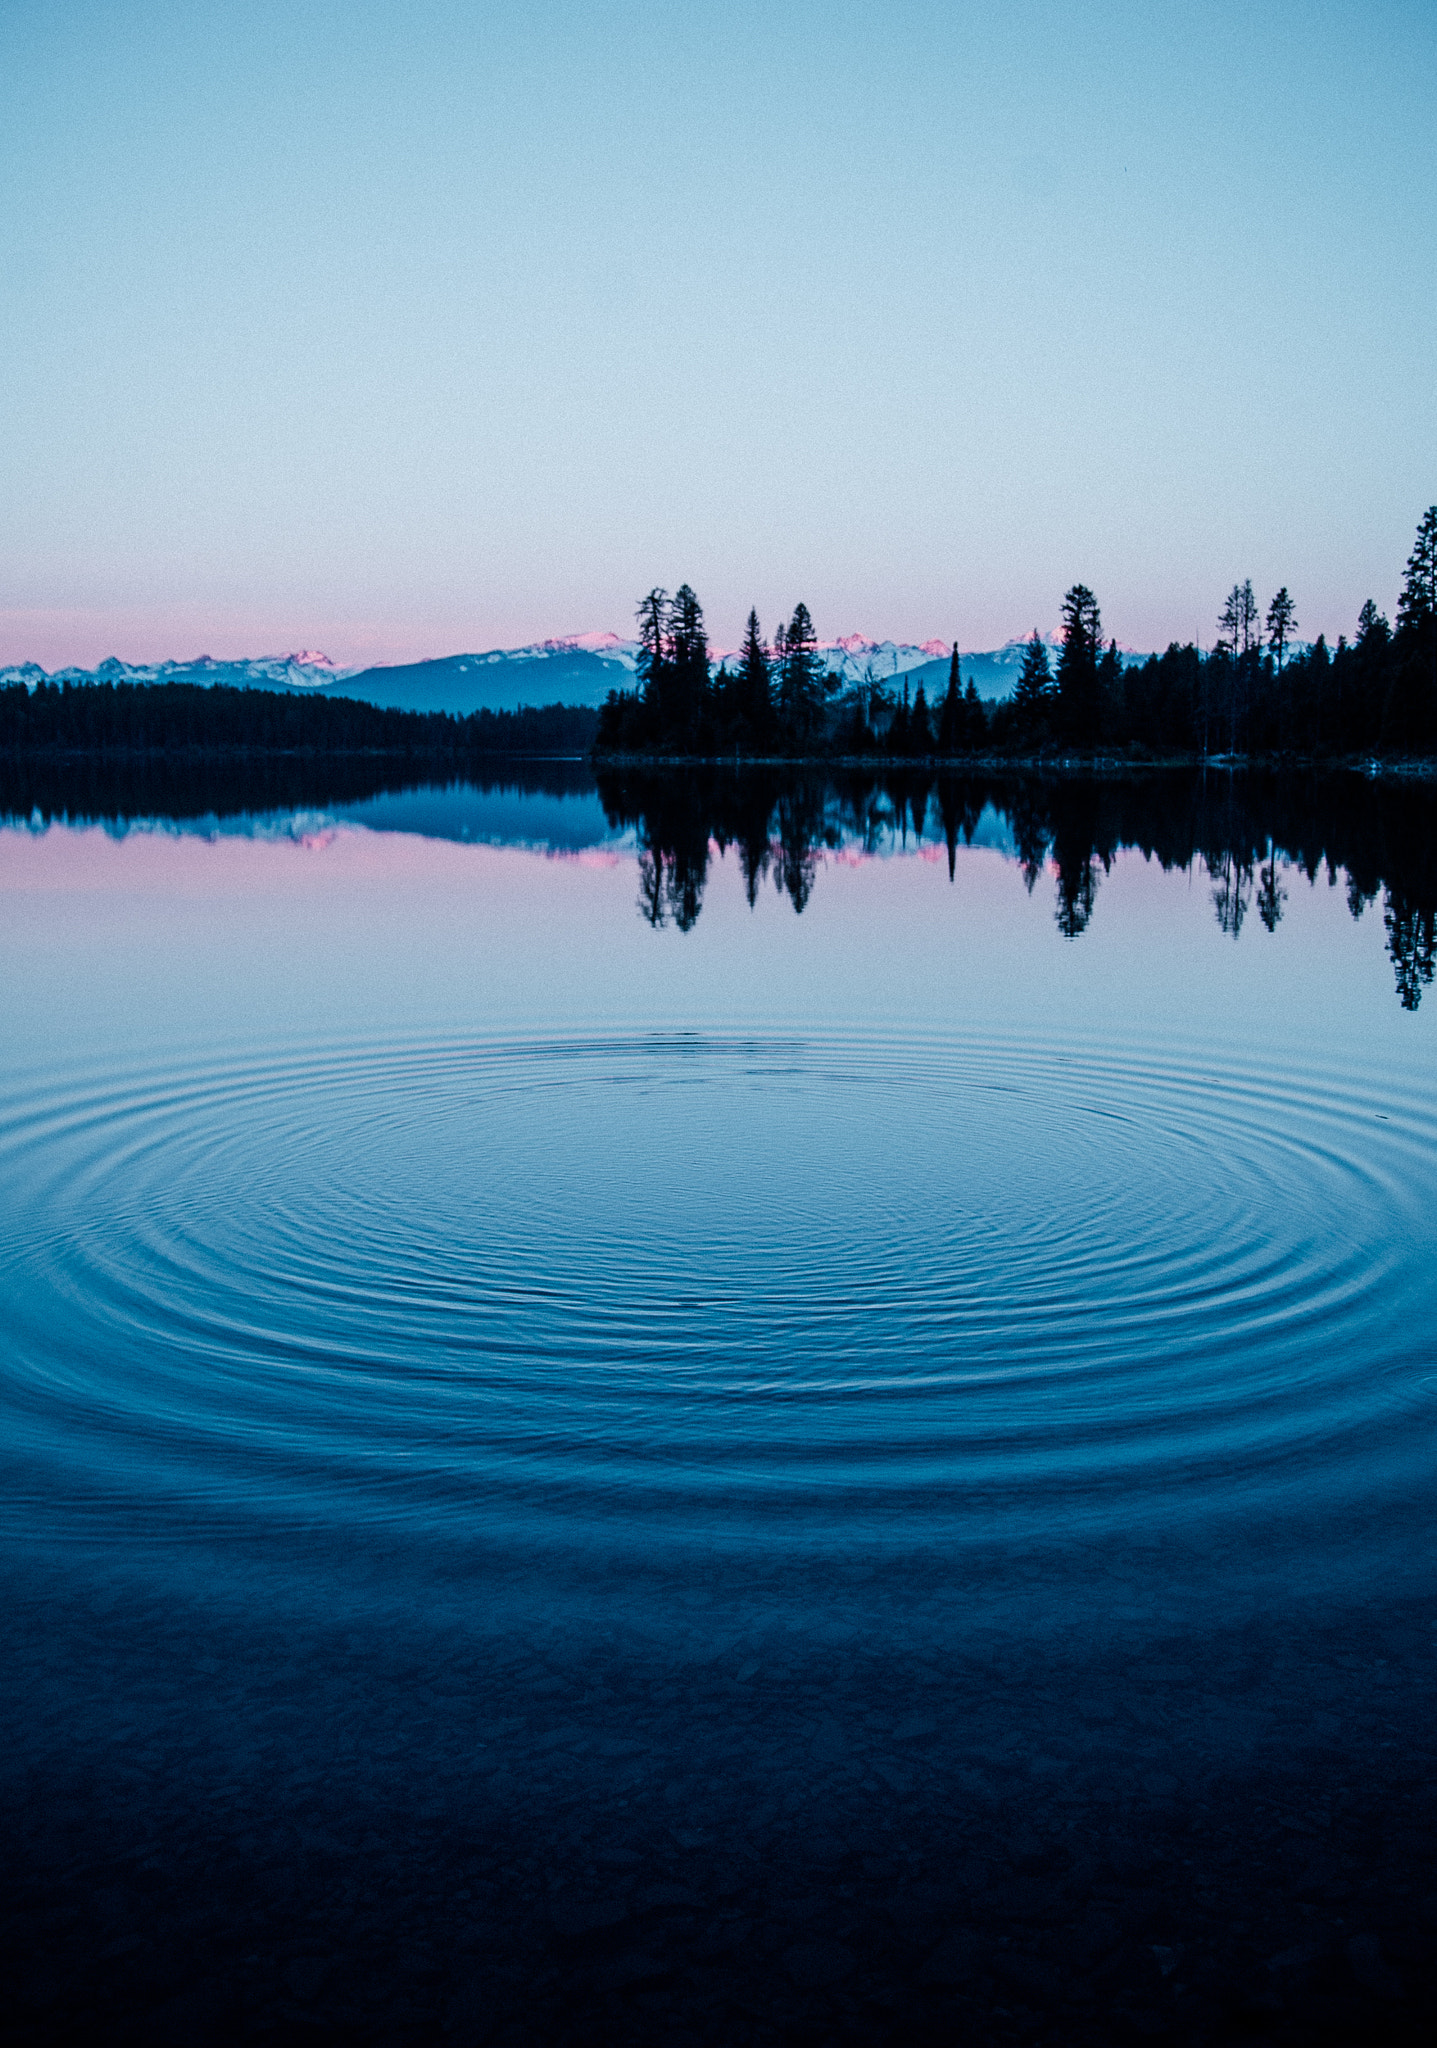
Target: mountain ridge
x: 576, y: 669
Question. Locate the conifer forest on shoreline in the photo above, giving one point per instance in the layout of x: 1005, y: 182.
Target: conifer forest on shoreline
x: 1258, y: 693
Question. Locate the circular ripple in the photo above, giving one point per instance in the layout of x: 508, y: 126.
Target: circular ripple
x: 716, y: 1288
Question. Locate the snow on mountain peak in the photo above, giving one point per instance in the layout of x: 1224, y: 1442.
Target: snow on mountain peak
x: 307, y: 669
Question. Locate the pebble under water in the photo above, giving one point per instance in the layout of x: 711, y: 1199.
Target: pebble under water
x: 855, y: 1478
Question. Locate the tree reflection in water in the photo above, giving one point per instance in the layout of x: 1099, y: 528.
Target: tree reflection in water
x: 1244, y: 830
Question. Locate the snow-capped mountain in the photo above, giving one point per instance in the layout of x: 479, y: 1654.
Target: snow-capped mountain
x: 578, y: 668
x: 859, y: 660
x: 306, y: 670
x: 583, y: 668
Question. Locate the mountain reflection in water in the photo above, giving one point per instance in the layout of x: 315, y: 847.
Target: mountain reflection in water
x: 1379, y: 834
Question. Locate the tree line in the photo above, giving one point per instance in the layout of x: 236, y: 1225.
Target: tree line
x: 1258, y: 691
x: 179, y: 718
x: 1250, y: 831
x: 774, y: 700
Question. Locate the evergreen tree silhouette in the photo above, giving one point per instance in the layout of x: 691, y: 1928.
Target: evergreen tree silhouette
x: 652, y: 666
x: 1239, y: 640
x: 688, y: 651
x: 800, y: 692
x: 1371, y: 624
x: 1078, y: 666
x: 950, y: 717
x: 1418, y: 602
x: 755, y: 687
x: 1414, y: 688
x: 1034, y: 687
x: 1281, y: 626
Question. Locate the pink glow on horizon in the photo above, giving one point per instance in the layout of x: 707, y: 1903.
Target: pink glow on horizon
x: 83, y: 637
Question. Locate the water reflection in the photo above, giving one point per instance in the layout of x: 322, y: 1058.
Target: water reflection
x: 228, y: 792
x: 1244, y: 831
x: 863, y: 1481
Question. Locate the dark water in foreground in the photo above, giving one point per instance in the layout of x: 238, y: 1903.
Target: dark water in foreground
x: 587, y: 1458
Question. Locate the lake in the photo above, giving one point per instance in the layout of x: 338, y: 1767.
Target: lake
x: 718, y: 1408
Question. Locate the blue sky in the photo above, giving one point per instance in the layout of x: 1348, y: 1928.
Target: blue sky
x: 395, y: 331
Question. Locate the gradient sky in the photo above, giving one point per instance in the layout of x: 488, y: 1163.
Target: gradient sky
x: 399, y: 330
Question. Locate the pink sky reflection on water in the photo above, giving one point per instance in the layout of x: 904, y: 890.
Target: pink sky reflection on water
x: 158, y: 941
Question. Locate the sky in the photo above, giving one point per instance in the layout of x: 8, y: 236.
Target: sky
x: 400, y: 331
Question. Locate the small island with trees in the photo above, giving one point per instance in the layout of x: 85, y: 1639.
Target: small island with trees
x: 1258, y: 693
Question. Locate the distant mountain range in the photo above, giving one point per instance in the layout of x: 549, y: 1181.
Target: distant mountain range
x: 579, y: 670
x: 267, y: 672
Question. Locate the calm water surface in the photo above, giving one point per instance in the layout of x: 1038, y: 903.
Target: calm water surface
x: 586, y: 1454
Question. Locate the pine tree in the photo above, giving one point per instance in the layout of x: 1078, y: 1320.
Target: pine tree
x: 800, y: 690
x: 950, y: 717
x: 1410, y: 721
x: 1078, y: 665
x: 652, y: 666
x: 1281, y: 625
x: 1034, y: 687
x: 1370, y: 623
x: 755, y: 686
x: 1237, y: 622
x: 1239, y: 639
x: 1417, y: 605
x: 689, y: 659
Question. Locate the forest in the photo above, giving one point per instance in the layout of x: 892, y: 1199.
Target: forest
x: 1257, y: 692
x: 184, y: 718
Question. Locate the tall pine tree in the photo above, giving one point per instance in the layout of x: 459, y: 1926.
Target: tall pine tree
x: 1410, y: 722
x: 1078, y: 666
x: 950, y: 718
x: 800, y: 689
x: 652, y: 666
x: 689, y: 660
x: 755, y: 686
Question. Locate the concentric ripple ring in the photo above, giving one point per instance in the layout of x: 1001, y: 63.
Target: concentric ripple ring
x: 695, y: 1289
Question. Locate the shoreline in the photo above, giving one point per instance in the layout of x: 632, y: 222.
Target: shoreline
x: 1372, y: 768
